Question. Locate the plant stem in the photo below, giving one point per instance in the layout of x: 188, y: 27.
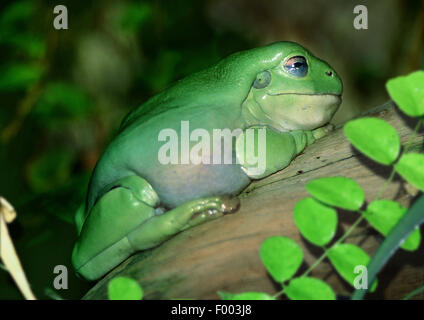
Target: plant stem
x: 386, y: 184
x: 412, y: 136
x: 279, y: 293
x: 324, y: 255
x: 340, y: 240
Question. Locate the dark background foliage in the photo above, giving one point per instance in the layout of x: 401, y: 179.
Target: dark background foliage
x: 63, y: 93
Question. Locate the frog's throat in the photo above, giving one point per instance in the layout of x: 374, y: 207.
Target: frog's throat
x: 253, y: 112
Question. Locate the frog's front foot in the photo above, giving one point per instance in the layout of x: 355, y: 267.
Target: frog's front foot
x: 322, y: 131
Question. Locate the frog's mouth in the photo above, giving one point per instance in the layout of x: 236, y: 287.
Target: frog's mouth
x: 304, y: 111
x: 305, y: 94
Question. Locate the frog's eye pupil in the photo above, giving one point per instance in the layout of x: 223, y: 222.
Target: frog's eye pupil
x: 296, y: 66
x: 262, y: 80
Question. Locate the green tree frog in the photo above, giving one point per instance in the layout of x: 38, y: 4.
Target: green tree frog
x: 135, y: 202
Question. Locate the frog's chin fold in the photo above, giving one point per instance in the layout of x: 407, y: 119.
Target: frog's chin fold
x: 301, y: 111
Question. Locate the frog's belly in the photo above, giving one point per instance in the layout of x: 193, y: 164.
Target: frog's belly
x: 176, y: 184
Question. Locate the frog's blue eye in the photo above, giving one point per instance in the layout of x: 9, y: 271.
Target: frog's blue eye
x: 296, y: 66
x: 262, y: 80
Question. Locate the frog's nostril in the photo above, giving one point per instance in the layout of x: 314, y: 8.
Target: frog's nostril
x: 329, y: 73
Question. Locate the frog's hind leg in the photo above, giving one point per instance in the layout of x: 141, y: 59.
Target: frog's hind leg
x: 102, y: 242
x: 124, y: 221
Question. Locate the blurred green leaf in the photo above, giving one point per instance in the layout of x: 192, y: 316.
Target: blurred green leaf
x: 383, y: 215
x: 281, y: 256
x: 15, y: 12
x: 244, y: 296
x: 134, y: 15
x: 340, y: 192
x: 408, y: 93
x: 345, y: 257
x: 375, y: 138
x: 50, y: 170
x: 307, y: 288
x: 61, y: 101
x: 315, y: 221
x: 17, y: 77
x: 411, y: 167
x: 122, y: 288
x: 31, y: 45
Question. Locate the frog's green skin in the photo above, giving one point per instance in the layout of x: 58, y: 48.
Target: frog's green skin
x: 129, y: 184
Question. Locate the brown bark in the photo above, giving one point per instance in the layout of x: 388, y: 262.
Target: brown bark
x: 223, y: 255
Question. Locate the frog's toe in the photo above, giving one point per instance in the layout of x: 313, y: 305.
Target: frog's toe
x: 229, y: 204
x: 222, y: 204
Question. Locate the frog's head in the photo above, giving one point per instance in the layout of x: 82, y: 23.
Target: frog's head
x: 301, y: 92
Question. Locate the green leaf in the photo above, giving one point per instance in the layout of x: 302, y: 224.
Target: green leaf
x: 244, y: 296
x: 50, y: 170
x: 340, y: 192
x: 307, y: 288
x: 33, y: 46
x: 61, y: 101
x: 122, y: 288
x: 281, y: 256
x: 315, y: 221
x: 408, y: 93
x: 411, y: 167
x: 19, y: 76
x: 375, y: 138
x: 226, y: 295
x: 15, y: 12
x: 345, y: 257
x: 383, y: 215
x: 134, y: 15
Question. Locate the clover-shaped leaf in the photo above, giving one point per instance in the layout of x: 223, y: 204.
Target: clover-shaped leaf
x: 340, y: 192
x: 281, y: 256
x: 375, y: 138
x: 408, y: 93
x: 307, y: 288
x: 345, y: 258
x: 411, y: 167
x: 315, y: 221
x: 383, y: 215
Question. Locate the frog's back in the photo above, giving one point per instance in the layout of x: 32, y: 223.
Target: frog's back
x: 135, y: 152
